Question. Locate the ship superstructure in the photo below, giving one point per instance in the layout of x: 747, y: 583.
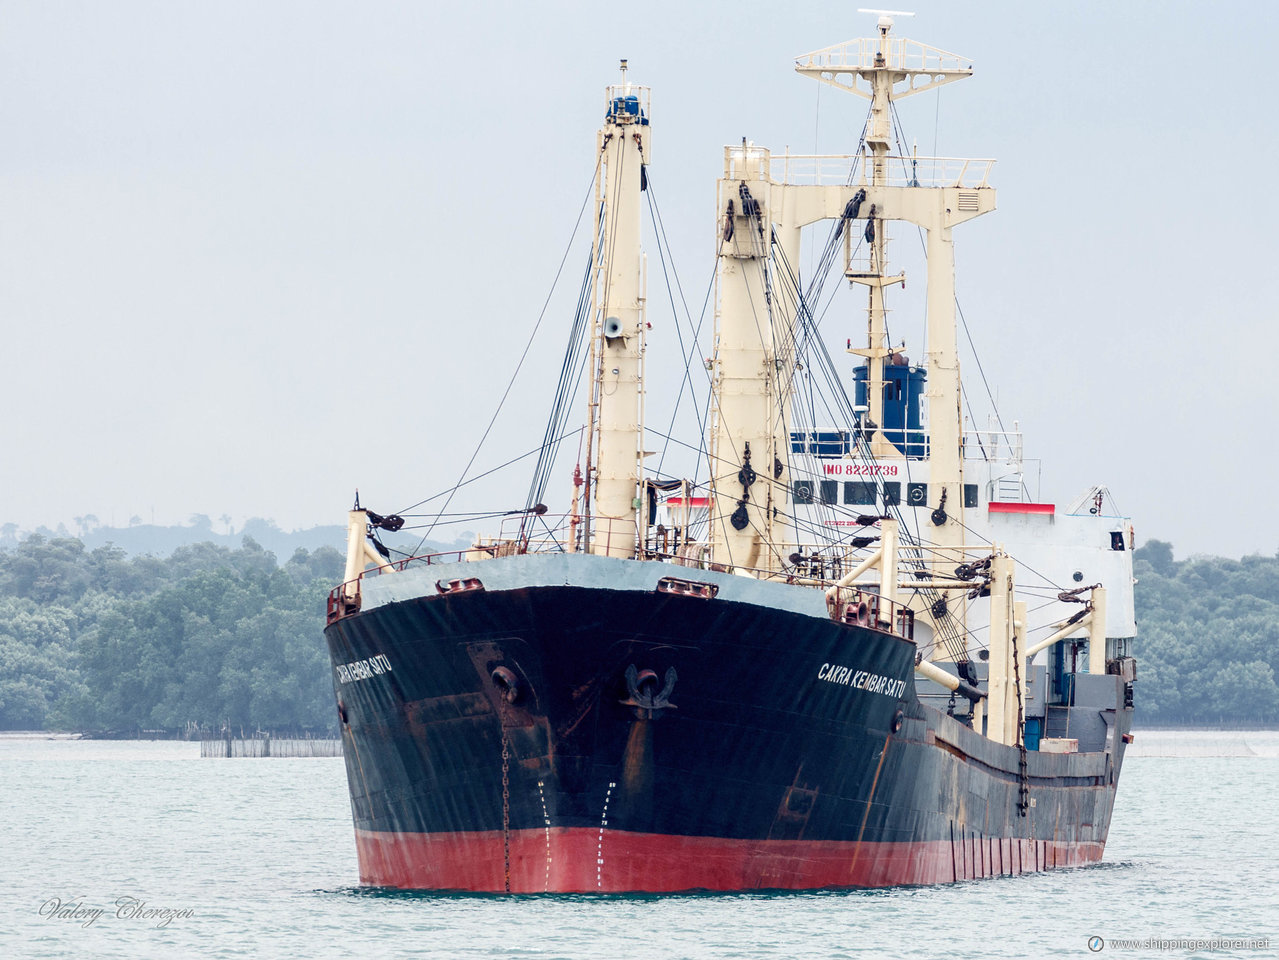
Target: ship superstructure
x: 813, y: 668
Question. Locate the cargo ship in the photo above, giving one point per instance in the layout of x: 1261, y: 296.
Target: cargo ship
x: 858, y: 650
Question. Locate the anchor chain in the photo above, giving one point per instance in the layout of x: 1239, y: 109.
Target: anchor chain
x: 506, y: 802
x: 1023, y: 772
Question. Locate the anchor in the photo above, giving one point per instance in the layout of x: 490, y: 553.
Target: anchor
x: 641, y: 684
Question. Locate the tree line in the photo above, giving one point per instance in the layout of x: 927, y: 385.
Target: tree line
x: 100, y: 641
x: 95, y: 640
x: 1207, y: 643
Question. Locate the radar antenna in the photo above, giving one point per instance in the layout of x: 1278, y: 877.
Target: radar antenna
x: 885, y: 17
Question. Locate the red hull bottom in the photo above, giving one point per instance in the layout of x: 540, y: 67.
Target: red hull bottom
x: 583, y: 860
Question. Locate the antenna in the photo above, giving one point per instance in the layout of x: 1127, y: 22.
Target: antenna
x: 885, y: 17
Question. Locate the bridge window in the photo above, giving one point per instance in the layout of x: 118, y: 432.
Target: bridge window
x: 859, y: 493
x: 821, y: 443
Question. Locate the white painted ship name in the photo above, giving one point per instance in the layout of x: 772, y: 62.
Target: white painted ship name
x: 861, y: 680
x: 363, y: 669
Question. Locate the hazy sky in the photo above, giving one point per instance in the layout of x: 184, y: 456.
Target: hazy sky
x: 253, y: 255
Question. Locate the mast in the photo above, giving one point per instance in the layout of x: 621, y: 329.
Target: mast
x: 875, y: 276
x: 935, y: 194
x: 619, y: 335
x: 748, y: 425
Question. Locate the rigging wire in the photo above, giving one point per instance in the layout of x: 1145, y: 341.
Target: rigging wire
x: 565, y: 392
x: 523, y: 355
x: 689, y: 353
x: 947, y: 625
x: 477, y: 477
x: 968, y: 335
x: 474, y: 479
x: 802, y: 342
x: 897, y: 134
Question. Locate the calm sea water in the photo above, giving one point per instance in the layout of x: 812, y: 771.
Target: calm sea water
x: 255, y: 858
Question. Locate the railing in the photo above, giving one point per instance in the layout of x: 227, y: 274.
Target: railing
x: 344, y: 599
x: 803, y: 564
x: 745, y: 162
x: 513, y: 539
x: 993, y: 444
x: 836, y: 169
x: 825, y: 564
x: 903, y: 54
x: 628, y: 103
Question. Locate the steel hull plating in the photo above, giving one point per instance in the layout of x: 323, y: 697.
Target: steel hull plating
x: 565, y: 860
x: 493, y: 744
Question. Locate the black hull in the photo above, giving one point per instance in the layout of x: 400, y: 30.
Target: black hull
x: 492, y: 742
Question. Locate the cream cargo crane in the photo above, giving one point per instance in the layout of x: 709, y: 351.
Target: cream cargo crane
x: 617, y: 347
x: 880, y: 69
x: 749, y: 437
x: 947, y: 193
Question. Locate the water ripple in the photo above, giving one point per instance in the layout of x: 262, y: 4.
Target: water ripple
x: 259, y: 857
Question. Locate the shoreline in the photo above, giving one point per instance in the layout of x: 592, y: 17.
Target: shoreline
x: 1158, y: 729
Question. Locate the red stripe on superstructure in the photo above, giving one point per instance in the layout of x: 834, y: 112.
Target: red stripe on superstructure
x: 1038, y: 508
x: 582, y: 860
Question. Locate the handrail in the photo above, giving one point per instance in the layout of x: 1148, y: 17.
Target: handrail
x: 862, y: 53
x: 816, y: 566
x: 900, y: 171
